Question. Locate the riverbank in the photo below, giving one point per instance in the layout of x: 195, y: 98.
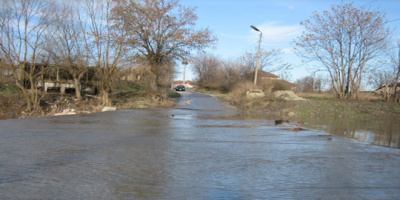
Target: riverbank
x: 302, y: 107
x: 328, y: 108
x: 11, y: 107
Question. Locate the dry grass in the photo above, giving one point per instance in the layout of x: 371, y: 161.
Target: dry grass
x: 238, y: 96
x: 369, y: 96
x: 238, y: 93
x: 319, y: 95
x: 362, y: 96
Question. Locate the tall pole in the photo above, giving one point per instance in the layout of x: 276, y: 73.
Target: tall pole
x: 184, y: 74
x: 258, y: 55
x: 184, y: 70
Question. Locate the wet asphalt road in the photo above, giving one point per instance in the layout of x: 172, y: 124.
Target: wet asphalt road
x: 199, y: 150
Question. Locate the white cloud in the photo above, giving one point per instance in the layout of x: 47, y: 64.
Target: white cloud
x: 291, y: 7
x: 276, y: 32
x: 287, y: 50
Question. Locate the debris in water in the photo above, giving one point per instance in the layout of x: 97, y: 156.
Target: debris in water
x: 280, y: 121
x: 297, y: 129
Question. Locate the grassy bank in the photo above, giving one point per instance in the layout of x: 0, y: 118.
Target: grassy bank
x: 352, y: 109
x: 316, y: 105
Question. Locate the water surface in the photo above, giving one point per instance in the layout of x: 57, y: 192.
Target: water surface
x: 197, y: 151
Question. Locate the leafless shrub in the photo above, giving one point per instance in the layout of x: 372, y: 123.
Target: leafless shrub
x: 238, y: 93
x: 271, y: 85
x: 143, y: 78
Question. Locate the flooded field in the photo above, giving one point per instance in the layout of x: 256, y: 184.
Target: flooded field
x: 379, y: 132
x: 200, y: 150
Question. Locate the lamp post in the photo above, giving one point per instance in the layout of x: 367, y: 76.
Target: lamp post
x: 258, y: 53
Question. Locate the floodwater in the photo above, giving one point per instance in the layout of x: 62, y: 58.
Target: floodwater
x: 199, y: 150
x: 382, y: 132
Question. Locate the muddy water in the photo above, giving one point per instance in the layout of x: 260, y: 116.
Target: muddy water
x: 200, y: 150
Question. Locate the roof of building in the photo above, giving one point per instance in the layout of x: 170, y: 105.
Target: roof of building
x: 186, y: 82
x: 262, y: 73
x: 390, y: 85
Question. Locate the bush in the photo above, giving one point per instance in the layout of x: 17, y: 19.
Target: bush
x: 8, y: 87
x: 267, y: 86
x: 238, y: 92
x: 272, y: 85
x: 174, y: 95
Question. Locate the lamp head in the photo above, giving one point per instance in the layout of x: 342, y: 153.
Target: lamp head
x: 255, y: 28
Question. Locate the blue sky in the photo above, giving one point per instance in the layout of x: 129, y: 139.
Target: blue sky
x: 279, y: 20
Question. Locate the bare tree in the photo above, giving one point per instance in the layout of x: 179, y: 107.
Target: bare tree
x: 161, y: 31
x: 23, y: 25
x: 70, y: 47
x: 309, y: 83
x: 344, y: 40
x: 388, y: 78
x: 110, y: 43
x: 395, y: 63
x: 234, y: 72
x: 209, y: 70
x: 380, y: 78
x: 270, y: 61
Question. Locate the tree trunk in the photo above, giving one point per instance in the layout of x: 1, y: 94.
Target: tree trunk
x: 105, y: 98
x: 78, y: 89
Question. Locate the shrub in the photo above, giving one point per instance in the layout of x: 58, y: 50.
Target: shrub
x: 173, y: 94
x: 272, y: 85
x: 10, y: 88
x: 238, y: 92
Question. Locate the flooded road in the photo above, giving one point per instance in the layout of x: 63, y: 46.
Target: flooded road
x: 200, y: 150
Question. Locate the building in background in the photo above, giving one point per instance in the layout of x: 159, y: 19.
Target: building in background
x: 188, y: 84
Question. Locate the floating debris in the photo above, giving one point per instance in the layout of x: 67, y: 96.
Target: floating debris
x: 108, y: 108
x: 297, y: 129
x: 66, y: 112
x: 280, y: 121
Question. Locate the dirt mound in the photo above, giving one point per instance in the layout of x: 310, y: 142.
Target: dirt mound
x: 287, y: 95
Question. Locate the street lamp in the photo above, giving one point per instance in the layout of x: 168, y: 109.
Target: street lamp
x: 258, y: 53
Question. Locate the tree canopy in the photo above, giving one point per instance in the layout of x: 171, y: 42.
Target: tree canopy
x: 344, y: 39
x: 161, y: 31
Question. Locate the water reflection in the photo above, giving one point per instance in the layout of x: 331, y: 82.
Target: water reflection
x: 379, y: 132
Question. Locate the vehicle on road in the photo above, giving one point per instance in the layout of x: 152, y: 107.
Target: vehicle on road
x: 180, y: 88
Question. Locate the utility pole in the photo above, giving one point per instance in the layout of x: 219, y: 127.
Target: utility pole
x: 258, y: 54
x: 184, y: 71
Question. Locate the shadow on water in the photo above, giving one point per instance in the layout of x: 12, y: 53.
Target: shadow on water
x: 383, y: 132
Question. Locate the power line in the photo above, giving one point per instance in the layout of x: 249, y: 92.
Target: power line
x: 393, y: 20
x: 370, y: 3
